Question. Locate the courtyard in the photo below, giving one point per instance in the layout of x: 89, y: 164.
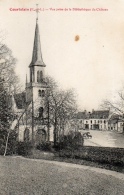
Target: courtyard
x: 104, y: 138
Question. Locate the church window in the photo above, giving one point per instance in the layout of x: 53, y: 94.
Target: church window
x: 39, y: 93
x: 38, y: 76
x: 40, y: 136
x: 41, y: 76
x: 43, y: 93
x: 26, y: 135
x: 41, y: 112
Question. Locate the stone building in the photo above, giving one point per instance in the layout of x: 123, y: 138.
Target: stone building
x: 29, y: 105
x: 95, y: 120
x: 116, y: 123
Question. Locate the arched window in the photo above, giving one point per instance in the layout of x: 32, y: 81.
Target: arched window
x: 38, y: 76
x: 39, y: 93
x: 41, y: 112
x: 41, y: 76
x: 43, y: 93
x: 40, y: 136
x: 26, y: 135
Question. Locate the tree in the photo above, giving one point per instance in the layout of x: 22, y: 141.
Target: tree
x: 61, y: 106
x: 115, y: 106
x: 6, y: 118
x: 7, y: 70
x: 9, y: 84
x: 4, y: 124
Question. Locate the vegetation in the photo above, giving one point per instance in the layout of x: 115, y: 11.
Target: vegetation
x: 61, y: 107
x: 24, y: 148
x: 103, y: 155
x: 8, y: 85
x: 117, y: 105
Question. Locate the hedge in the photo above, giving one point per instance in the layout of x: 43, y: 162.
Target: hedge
x: 107, y: 155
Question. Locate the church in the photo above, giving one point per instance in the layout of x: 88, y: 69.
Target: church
x: 33, y: 120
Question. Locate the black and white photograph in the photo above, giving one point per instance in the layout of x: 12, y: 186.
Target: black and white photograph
x: 61, y: 97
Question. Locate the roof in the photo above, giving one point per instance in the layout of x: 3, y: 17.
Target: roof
x: 20, y: 100
x: 100, y: 114
x: 37, y: 59
x: 81, y: 115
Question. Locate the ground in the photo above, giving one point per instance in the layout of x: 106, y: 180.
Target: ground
x: 21, y: 176
x: 104, y: 138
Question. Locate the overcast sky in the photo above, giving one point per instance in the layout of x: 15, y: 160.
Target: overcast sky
x: 93, y: 65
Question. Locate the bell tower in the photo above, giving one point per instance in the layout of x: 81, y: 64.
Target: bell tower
x: 35, y: 89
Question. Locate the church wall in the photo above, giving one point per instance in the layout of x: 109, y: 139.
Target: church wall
x: 35, y: 90
x: 36, y: 127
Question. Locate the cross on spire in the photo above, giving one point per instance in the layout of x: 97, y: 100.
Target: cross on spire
x: 37, y: 11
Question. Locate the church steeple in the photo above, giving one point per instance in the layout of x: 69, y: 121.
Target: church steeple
x: 37, y: 59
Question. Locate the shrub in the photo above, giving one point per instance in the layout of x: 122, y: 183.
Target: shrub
x: 112, y: 156
x: 45, y: 146
x: 12, y: 143
x: 74, y: 140
x: 24, y: 148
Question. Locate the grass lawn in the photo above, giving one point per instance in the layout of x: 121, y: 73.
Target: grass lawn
x: 20, y: 176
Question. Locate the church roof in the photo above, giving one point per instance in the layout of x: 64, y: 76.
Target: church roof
x: 20, y: 100
x: 37, y: 59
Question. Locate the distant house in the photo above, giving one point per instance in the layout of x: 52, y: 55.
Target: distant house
x: 95, y: 120
x: 81, y: 116
x: 100, y: 120
x: 116, y: 123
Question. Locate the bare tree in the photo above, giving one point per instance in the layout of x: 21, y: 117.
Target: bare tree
x: 61, y: 107
x: 115, y: 106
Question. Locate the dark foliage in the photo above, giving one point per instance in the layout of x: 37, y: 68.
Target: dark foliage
x: 12, y: 144
x: 74, y: 140
x: 6, y: 118
x: 112, y: 156
x: 24, y: 148
x: 4, y: 112
x: 46, y: 146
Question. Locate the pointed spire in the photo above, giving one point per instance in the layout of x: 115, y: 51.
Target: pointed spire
x: 37, y: 59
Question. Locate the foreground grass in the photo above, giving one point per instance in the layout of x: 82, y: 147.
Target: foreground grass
x: 19, y: 176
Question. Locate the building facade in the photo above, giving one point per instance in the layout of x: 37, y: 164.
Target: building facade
x: 95, y: 120
x: 100, y: 120
x: 116, y: 123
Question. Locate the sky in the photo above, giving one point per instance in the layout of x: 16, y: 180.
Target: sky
x: 93, y: 65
